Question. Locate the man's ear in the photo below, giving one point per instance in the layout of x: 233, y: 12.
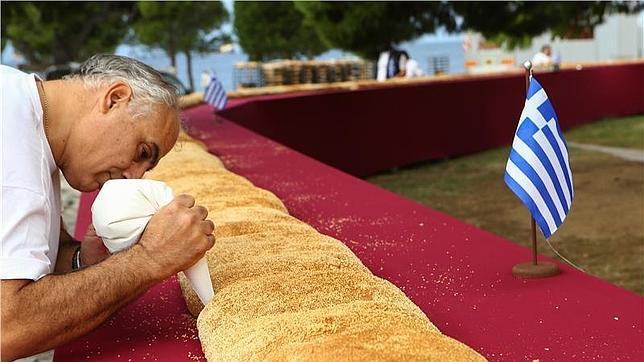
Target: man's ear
x: 118, y: 93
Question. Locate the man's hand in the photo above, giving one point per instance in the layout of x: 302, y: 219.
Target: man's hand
x: 92, y: 248
x: 177, y: 236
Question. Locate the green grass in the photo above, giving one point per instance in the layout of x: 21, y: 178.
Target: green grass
x: 604, y: 233
x: 615, y: 132
x: 464, y: 174
x: 445, y: 178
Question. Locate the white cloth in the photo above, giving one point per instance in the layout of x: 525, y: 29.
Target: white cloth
x: 413, y: 69
x: 541, y: 58
x: 402, y: 63
x: 30, y: 182
x: 381, y: 76
x: 123, y: 209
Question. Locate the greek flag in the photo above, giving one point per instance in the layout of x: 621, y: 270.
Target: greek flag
x: 215, y: 94
x: 538, y: 170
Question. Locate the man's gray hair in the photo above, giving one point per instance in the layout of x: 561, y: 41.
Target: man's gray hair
x: 148, y: 86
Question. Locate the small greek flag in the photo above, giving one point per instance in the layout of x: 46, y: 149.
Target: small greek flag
x: 538, y: 170
x: 215, y: 94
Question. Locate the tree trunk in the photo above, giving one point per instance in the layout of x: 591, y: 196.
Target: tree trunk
x: 172, y: 52
x: 61, y: 51
x: 189, y: 62
x: 173, y: 59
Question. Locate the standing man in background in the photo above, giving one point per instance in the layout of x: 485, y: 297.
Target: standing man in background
x: 391, y: 64
x: 543, y: 58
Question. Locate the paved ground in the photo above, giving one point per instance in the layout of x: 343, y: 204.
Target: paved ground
x: 625, y: 153
x: 43, y: 357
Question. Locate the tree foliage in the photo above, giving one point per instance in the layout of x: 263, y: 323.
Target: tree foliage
x: 60, y: 32
x: 5, y: 18
x: 270, y: 30
x: 179, y: 26
x: 367, y: 28
x: 515, y: 23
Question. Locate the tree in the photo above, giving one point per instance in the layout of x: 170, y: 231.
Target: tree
x: 180, y: 26
x: 60, y: 32
x: 270, y: 30
x: 515, y: 23
x: 5, y: 18
x: 368, y: 28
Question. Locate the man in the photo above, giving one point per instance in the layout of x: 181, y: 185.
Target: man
x: 115, y: 119
x: 392, y: 64
x: 543, y: 58
x: 412, y: 69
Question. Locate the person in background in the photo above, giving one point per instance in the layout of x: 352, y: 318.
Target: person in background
x: 392, y: 64
x: 543, y: 59
x: 381, y: 75
x: 205, y: 78
x: 413, y: 69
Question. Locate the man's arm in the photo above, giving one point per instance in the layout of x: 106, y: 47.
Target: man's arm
x: 39, y: 315
x: 59, y: 308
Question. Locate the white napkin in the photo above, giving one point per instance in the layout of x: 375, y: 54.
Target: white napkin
x: 123, y: 209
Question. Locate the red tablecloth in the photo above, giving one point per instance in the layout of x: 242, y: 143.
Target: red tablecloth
x: 459, y: 275
x: 370, y: 130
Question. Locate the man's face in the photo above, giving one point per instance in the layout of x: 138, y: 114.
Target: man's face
x: 110, y: 144
x: 547, y: 51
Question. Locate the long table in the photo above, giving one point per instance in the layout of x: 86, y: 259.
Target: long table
x: 373, y: 129
x: 460, y: 276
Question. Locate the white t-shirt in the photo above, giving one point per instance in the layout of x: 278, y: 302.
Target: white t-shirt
x: 541, y: 58
x: 413, y: 69
x: 30, y: 182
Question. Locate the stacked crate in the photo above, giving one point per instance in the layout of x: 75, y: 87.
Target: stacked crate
x: 248, y: 75
x: 294, y: 72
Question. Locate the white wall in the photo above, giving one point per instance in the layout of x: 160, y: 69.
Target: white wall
x: 619, y: 37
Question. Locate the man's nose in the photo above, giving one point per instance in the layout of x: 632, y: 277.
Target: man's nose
x: 136, y: 170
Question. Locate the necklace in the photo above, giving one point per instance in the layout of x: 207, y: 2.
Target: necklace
x: 45, y: 108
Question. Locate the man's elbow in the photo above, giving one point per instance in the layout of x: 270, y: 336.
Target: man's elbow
x: 14, y: 333
x: 13, y: 341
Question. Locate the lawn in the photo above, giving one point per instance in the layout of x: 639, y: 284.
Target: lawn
x: 623, y: 132
x: 604, y: 232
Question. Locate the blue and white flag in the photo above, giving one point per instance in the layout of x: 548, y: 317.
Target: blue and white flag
x: 538, y: 169
x: 215, y: 94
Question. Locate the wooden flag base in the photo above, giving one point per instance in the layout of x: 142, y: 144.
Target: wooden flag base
x: 532, y: 271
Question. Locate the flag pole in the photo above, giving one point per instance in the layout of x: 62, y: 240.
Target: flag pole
x: 533, y: 227
x: 533, y: 269
x: 533, y: 230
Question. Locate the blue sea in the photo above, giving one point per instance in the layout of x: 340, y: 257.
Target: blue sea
x: 425, y: 50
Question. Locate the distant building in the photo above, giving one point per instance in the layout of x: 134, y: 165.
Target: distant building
x: 437, y: 54
x: 620, y: 37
